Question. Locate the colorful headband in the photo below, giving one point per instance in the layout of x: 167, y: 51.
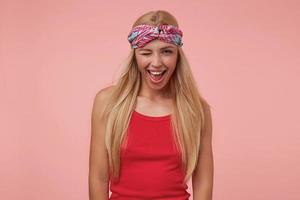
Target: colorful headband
x: 142, y: 34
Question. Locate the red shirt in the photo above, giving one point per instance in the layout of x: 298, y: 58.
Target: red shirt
x: 150, y: 164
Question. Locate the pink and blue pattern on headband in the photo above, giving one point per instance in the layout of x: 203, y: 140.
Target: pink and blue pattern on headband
x: 143, y: 34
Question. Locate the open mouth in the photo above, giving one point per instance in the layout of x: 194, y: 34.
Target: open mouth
x: 156, y: 77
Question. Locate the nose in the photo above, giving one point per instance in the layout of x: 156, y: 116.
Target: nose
x: 156, y: 60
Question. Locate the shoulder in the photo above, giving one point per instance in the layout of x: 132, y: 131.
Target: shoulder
x: 207, y: 129
x: 104, y: 93
x: 101, y: 99
x: 206, y: 109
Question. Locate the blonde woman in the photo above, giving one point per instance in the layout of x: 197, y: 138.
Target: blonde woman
x: 152, y: 130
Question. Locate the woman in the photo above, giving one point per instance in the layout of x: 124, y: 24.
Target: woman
x: 152, y: 130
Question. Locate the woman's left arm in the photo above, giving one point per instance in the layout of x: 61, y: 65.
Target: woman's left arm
x: 202, y: 178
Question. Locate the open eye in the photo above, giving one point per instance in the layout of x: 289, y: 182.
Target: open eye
x: 168, y: 51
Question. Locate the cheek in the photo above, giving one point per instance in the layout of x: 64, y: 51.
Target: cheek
x: 142, y: 62
x: 171, y: 62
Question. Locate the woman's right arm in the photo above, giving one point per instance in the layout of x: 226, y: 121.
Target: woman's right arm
x: 98, y: 158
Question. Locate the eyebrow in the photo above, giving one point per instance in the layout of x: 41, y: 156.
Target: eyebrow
x: 161, y: 48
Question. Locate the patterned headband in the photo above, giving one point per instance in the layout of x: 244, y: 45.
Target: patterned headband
x: 142, y: 34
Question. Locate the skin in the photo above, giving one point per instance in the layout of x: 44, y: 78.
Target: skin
x: 152, y: 100
x: 202, y: 178
x: 98, y: 161
x: 156, y: 55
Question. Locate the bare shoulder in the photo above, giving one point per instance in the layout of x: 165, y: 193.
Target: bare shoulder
x: 105, y: 92
x: 207, y: 119
x: 206, y: 108
x: 101, y: 98
x: 98, y: 161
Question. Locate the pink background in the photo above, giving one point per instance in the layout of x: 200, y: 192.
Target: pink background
x: 55, y: 56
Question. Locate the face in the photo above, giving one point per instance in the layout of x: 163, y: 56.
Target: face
x: 156, y: 62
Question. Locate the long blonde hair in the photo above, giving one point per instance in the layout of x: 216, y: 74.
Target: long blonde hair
x: 187, y: 119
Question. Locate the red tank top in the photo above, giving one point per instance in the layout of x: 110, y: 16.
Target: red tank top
x: 150, y: 164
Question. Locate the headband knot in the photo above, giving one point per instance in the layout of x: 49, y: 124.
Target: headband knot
x: 142, y: 34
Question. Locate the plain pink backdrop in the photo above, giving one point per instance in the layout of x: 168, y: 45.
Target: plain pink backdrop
x: 56, y: 55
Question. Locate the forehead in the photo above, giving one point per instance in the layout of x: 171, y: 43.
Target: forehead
x: 157, y: 44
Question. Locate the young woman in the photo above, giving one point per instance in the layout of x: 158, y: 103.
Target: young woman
x: 152, y: 130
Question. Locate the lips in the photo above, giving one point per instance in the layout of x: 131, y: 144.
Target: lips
x: 156, y: 78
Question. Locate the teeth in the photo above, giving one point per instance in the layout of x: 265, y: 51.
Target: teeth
x: 156, y: 72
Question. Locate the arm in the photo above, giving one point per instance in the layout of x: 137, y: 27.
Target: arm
x: 202, y: 178
x: 98, y: 159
